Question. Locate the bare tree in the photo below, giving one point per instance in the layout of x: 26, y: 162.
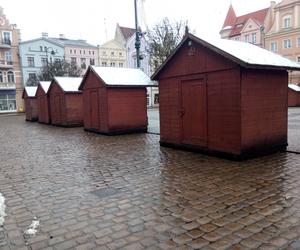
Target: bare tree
x: 59, y: 68
x: 162, y: 39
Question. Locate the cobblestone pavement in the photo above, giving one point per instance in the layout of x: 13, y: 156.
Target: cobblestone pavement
x: 294, y: 129
x: 125, y: 192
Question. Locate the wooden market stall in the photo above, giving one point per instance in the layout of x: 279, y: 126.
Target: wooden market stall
x: 294, y: 95
x: 30, y: 103
x: 65, y: 101
x: 43, y: 102
x: 115, y: 100
x: 224, y: 97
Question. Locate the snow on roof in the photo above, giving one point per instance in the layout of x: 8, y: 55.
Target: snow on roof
x: 252, y: 54
x: 68, y: 84
x: 227, y: 27
x: 45, y: 85
x: 123, y: 76
x: 294, y: 87
x: 31, y: 91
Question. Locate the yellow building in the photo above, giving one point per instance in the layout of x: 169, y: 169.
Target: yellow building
x: 284, y: 36
x: 112, y: 54
x: 10, y: 70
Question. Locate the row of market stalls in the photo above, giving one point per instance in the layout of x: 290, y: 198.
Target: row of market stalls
x: 106, y: 100
x: 223, y: 97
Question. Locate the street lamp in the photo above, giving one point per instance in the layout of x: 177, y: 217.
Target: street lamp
x: 52, y: 53
x: 137, y: 36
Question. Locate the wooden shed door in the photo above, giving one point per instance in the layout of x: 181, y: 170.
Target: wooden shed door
x: 194, y: 112
x: 94, y: 114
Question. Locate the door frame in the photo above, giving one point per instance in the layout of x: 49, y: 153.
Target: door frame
x: 186, y: 79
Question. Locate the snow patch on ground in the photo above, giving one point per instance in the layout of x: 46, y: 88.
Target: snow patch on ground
x: 2, y: 209
x: 32, y: 229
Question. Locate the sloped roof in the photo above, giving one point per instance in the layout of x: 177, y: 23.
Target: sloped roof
x: 122, y: 77
x: 45, y: 85
x: 127, y: 32
x: 245, y: 54
x: 237, y: 22
x: 72, y: 42
x: 230, y: 18
x: 68, y: 84
x: 31, y: 91
x: 294, y: 87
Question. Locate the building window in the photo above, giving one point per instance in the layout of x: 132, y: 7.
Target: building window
x: 104, y: 64
x: 30, y: 61
x: 92, y: 61
x: 247, y: 38
x: 73, y: 60
x: 253, y: 38
x: 274, y: 46
x: 83, y: 63
x: 104, y: 53
x: 74, y: 51
x: 298, y: 59
x: 121, y: 65
x: 112, y: 53
x: 84, y: 52
x: 287, y: 22
x: 41, y: 48
x: 89, y: 52
x: 44, y: 61
x: 112, y: 64
x: 80, y: 52
x: 32, y: 80
x: 7, y: 102
x: 237, y: 38
x: 6, y: 38
x: 1, y: 76
x: 298, y: 41
x: 93, y: 52
x: 8, y: 57
x: 71, y: 51
x: 287, y: 44
x: 10, y: 77
x: 120, y: 54
x: 156, y: 99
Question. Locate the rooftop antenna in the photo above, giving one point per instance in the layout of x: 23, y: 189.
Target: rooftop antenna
x: 105, y: 28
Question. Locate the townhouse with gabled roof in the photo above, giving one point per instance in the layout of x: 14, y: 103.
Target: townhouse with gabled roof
x: 36, y: 53
x: 247, y: 28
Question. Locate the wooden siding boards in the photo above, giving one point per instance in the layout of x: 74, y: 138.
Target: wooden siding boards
x: 119, y: 110
x: 65, y: 107
x: 246, y: 107
x: 42, y: 106
x: 31, y: 111
x: 293, y: 98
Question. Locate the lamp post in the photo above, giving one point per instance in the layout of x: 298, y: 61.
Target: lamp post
x: 137, y: 36
x: 52, y: 53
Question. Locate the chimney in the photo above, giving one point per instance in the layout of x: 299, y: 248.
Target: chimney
x: 62, y: 36
x: 44, y: 34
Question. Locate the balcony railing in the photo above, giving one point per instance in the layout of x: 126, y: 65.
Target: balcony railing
x: 5, y: 43
x: 7, y: 85
x: 6, y: 64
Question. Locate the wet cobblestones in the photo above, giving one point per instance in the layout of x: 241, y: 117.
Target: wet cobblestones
x: 96, y: 192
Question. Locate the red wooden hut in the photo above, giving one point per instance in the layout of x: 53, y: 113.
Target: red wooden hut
x: 294, y: 95
x: 115, y: 100
x: 224, y: 97
x: 65, y: 101
x: 43, y: 102
x: 30, y: 103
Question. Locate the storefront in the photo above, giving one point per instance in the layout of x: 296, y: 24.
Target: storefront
x: 8, y: 100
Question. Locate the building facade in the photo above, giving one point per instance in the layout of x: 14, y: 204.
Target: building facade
x: 35, y: 54
x: 112, y: 54
x: 38, y: 52
x: 247, y: 28
x: 284, y: 36
x: 10, y: 70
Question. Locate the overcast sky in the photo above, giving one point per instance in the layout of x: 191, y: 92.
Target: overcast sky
x: 85, y: 19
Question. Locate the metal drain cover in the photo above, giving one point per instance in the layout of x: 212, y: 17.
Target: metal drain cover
x: 105, y: 192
